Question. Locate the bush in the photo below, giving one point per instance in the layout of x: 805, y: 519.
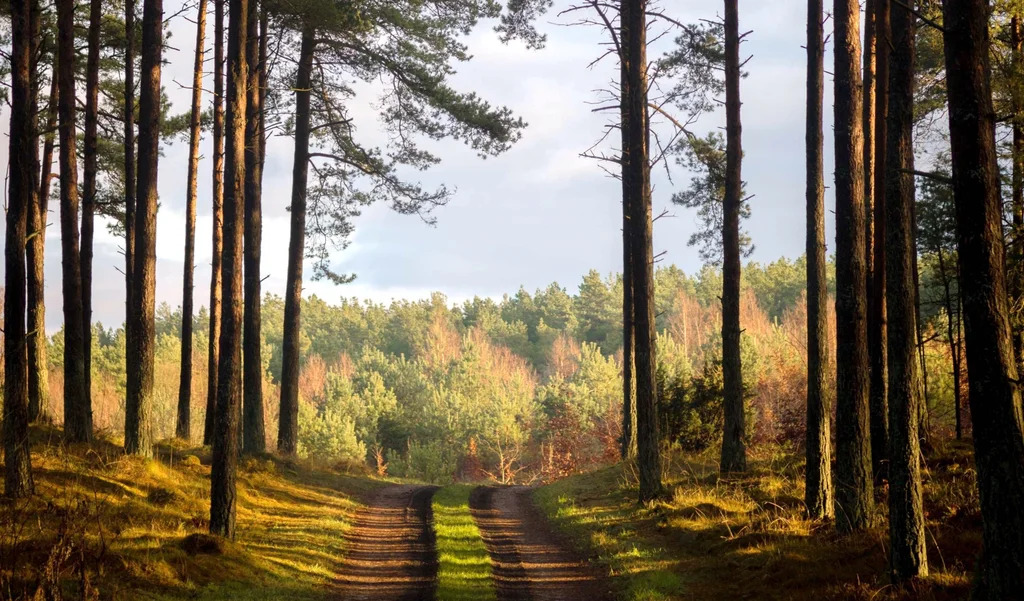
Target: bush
x: 328, y: 435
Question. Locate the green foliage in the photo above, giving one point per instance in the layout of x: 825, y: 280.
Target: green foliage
x: 705, y: 158
x: 329, y: 433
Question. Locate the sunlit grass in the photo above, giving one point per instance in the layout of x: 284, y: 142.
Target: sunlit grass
x: 132, y: 515
x: 465, y: 571
x: 717, y: 538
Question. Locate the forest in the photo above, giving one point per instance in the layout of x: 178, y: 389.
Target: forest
x: 843, y: 424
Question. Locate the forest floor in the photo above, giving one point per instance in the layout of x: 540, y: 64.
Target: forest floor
x: 127, y: 528
x: 745, y: 537
x: 105, y: 526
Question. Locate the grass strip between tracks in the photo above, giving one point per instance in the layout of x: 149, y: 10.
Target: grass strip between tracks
x: 465, y: 571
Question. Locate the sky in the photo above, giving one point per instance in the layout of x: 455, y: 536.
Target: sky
x: 537, y: 214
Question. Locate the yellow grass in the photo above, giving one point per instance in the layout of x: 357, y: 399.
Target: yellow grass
x: 121, y: 522
x: 746, y: 537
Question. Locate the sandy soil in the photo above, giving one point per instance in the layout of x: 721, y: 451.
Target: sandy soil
x: 531, y: 562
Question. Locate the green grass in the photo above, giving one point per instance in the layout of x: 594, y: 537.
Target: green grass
x: 714, y: 538
x: 464, y: 573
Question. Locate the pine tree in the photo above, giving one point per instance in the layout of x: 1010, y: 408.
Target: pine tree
x: 734, y: 454
x: 17, y: 461
x: 138, y: 431
x: 908, y: 556
x: 77, y: 412
x: 852, y: 477
x: 995, y: 398
x: 253, y: 433
x: 288, y: 428
x: 89, y: 173
x: 184, y: 426
x: 229, y: 372
x: 633, y: 37
x: 819, y: 424
x: 218, y: 222
x: 38, y: 372
x: 877, y: 395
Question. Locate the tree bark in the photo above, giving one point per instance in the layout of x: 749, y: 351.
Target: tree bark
x: 90, y: 171
x: 253, y: 432
x: 628, y: 450
x: 17, y: 460
x: 954, y: 346
x: 868, y: 126
x: 852, y: 477
x: 818, y: 490
x: 734, y: 452
x: 633, y: 37
x: 218, y: 222
x: 184, y: 425
x: 229, y: 386
x: 1016, y: 271
x: 38, y: 372
x: 876, y: 324
x: 77, y: 412
x: 288, y: 428
x: 992, y: 369
x: 908, y: 556
x: 129, y: 183
x: 138, y: 431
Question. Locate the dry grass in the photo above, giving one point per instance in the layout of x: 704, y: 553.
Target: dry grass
x: 747, y: 538
x: 108, y: 526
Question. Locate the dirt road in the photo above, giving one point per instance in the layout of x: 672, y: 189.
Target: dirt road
x: 391, y: 555
x: 530, y: 561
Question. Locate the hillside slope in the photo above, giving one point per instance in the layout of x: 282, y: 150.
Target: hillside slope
x: 125, y: 528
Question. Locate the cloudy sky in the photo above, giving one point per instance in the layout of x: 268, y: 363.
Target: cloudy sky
x: 536, y: 214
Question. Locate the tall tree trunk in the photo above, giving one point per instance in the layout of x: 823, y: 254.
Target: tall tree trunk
x: 253, y: 432
x: 138, y: 430
x: 908, y: 557
x: 952, y: 313
x: 852, y: 478
x: 17, y: 460
x: 1016, y: 263
x: 77, y: 412
x: 734, y: 452
x: 868, y: 126
x: 263, y: 77
x: 991, y: 366
x: 628, y: 450
x: 879, y: 410
x: 38, y: 372
x: 818, y: 492
x: 218, y: 221
x: 184, y: 425
x: 92, y: 93
x: 129, y: 183
x: 633, y: 37
x: 229, y: 386
x: 288, y: 427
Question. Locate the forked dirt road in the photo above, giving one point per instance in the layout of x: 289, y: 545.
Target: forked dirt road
x: 530, y: 561
x: 391, y: 554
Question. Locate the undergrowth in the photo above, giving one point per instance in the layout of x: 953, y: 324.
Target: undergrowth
x: 746, y: 537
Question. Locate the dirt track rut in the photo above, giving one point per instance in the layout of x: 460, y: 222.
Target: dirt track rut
x: 530, y: 561
x: 391, y: 554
